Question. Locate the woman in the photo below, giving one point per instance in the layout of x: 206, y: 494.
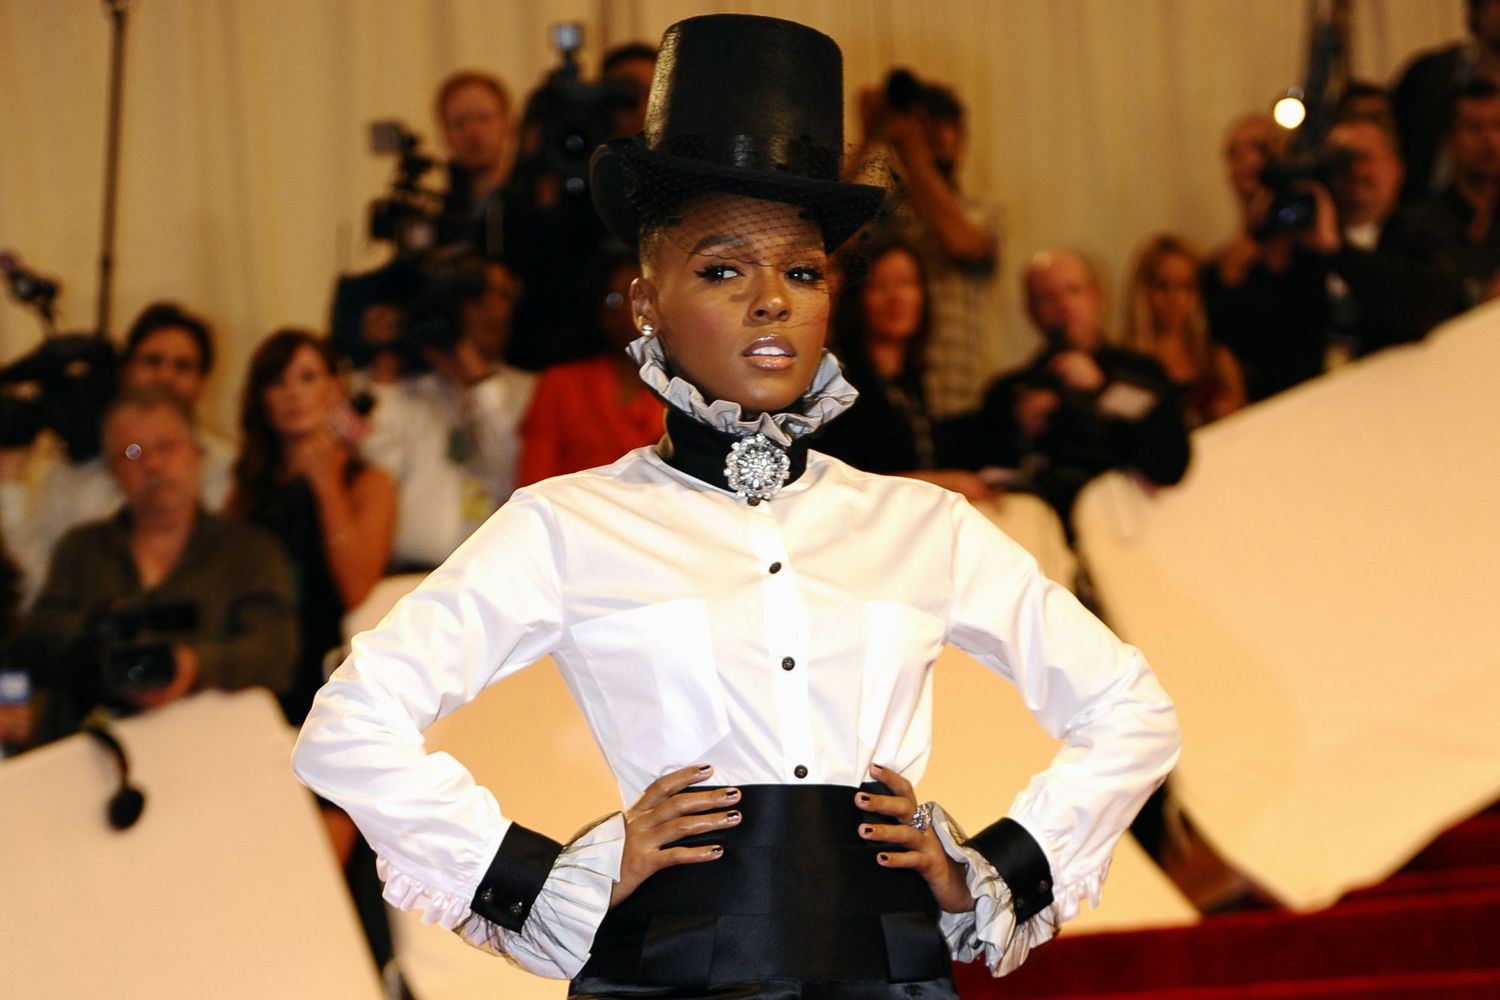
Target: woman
x: 880, y: 327
x: 590, y: 412
x: 1166, y: 321
x: 298, y: 476
x: 748, y: 626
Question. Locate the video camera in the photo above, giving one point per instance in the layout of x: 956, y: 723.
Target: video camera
x: 566, y: 119
x: 408, y: 215
x: 64, y: 384
x: 131, y: 656
x: 1292, y: 209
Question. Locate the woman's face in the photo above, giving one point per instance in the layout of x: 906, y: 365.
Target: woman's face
x: 1172, y: 292
x: 893, y: 298
x: 487, y: 317
x: 738, y: 294
x: 301, y: 399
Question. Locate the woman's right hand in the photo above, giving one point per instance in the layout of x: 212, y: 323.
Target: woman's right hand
x: 320, y: 458
x: 661, y: 817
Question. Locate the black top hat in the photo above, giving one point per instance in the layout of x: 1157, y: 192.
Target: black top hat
x: 742, y: 105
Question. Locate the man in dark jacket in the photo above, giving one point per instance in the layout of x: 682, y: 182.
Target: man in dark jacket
x: 195, y: 600
x: 1080, y: 406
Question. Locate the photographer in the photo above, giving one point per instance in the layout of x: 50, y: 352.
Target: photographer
x: 211, y: 597
x: 551, y: 228
x: 957, y: 236
x: 449, y: 436
x: 1385, y: 282
x: 1461, y: 220
x: 1264, y: 292
x: 166, y: 347
x: 474, y: 111
x: 629, y: 66
x: 1081, y: 406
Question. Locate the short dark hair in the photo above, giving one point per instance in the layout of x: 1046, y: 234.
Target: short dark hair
x: 941, y: 103
x: 467, y: 77
x: 629, y: 52
x: 169, y: 315
x: 1358, y: 90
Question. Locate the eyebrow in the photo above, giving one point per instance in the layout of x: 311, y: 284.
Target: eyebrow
x: 718, y: 241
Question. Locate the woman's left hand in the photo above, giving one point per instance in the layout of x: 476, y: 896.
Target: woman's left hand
x: 924, y: 852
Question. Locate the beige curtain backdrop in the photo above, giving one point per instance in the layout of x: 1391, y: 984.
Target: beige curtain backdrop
x: 245, y: 168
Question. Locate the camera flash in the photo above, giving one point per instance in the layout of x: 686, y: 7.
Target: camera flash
x: 1289, y: 112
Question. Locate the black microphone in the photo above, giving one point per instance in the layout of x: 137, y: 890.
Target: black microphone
x: 128, y: 802
x: 27, y: 286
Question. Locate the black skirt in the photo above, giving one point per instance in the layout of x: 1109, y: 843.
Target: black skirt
x: 796, y: 909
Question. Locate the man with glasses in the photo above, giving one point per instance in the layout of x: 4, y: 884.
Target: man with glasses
x: 184, y: 599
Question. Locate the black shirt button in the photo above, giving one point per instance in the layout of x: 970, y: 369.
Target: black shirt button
x: 800, y: 770
x: 516, y: 909
x: 776, y: 567
x: 487, y: 896
x: 787, y: 663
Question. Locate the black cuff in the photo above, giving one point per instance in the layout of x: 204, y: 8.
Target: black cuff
x: 514, y: 878
x: 1019, y: 859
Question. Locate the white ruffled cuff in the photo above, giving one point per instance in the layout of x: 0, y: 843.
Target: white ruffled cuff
x: 557, y: 935
x: 989, y: 931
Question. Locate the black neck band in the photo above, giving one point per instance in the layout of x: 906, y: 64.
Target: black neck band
x: 700, y: 450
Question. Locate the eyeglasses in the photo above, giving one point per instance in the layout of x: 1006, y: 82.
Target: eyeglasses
x: 165, y: 447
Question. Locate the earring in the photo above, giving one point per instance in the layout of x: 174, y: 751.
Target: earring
x: 647, y: 330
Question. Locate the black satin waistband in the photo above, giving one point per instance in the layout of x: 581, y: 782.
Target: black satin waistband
x: 797, y: 895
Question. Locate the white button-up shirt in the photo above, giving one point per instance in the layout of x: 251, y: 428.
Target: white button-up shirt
x: 791, y: 641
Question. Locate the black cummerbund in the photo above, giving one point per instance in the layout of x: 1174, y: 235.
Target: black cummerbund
x: 797, y: 895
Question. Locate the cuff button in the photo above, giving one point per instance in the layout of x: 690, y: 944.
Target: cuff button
x: 516, y: 909
x: 487, y: 896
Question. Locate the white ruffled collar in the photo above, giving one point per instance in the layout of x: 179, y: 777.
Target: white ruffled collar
x: 829, y: 395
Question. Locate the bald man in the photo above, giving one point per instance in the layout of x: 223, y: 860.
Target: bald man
x: 1081, y: 406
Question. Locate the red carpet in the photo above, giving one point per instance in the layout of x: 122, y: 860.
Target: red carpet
x: 1432, y: 930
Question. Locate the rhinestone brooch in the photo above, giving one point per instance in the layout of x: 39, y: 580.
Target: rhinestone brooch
x: 756, y: 469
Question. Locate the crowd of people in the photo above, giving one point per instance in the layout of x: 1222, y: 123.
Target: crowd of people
x: 360, y: 458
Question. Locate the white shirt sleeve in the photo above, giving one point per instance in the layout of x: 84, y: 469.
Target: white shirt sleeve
x: 491, y: 609
x: 1085, y: 687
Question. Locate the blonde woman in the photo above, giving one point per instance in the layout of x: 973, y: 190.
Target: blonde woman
x: 1166, y: 320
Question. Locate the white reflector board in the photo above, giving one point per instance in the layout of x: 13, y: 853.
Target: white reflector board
x: 227, y: 887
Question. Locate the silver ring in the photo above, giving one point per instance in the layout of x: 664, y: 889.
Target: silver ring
x: 922, y: 818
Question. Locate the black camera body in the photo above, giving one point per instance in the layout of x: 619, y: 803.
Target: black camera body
x: 127, y: 652
x: 65, y: 384
x: 1293, y: 210
x: 408, y: 214
x: 566, y: 119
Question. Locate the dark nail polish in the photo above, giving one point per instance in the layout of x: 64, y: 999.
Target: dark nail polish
x: 716, y: 850
x: 733, y: 817
x: 867, y: 830
x: 884, y: 858
x: 704, y: 767
x: 733, y: 793
x: 862, y: 797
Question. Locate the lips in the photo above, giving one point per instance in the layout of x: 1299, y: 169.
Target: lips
x: 771, y: 353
